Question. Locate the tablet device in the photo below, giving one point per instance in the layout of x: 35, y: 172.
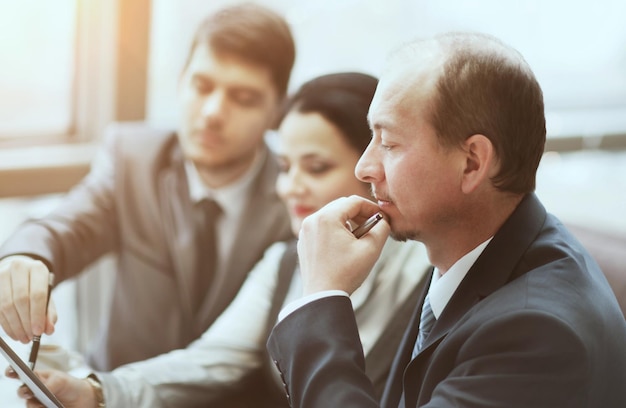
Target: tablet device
x: 29, y: 378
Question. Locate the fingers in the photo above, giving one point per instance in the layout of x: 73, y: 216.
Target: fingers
x: 70, y: 390
x: 348, y: 211
x: 37, y: 298
x: 379, y: 232
x: 23, y: 298
x: 24, y: 392
x: 354, y: 208
x: 52, y: 318
x: 10, y: 373
x: 31, y: 402
x: 330, y: 256
x: 9, y: 312
x: 34, y: 403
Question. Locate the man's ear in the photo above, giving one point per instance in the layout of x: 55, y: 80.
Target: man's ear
x: 480, y: 162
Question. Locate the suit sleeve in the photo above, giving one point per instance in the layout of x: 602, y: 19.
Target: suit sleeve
x: 80, y: 229
x: 195, y: 376
x: 318, y: 351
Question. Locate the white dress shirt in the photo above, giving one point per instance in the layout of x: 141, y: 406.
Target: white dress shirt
x: 232, y: 200
x: 441, y: 287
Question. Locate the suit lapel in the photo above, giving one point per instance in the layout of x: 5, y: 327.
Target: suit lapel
x: 377, y: 360
x: 496, y: 266
x: 177, y: 214
x: 393, y: 390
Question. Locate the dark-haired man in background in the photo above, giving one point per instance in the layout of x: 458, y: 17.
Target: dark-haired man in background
x: 143, y: 200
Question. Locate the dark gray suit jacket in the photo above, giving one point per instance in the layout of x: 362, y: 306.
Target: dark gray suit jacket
x: 533, y: 324
x: 135, y: 202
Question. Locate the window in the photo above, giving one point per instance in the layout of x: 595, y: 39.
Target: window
x: 57, y: 76
x: 57, y: 86
x: 37, y: 41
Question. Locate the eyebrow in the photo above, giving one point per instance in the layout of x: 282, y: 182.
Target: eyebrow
x: 378, y: 125
x: 231, y: 88
x: 245, y: 88
x: 308, y: 156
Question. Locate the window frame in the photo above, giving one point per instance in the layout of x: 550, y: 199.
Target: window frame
x: 108, y: 87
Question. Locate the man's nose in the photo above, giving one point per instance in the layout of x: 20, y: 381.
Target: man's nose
x: 214, y: 104
x: 368, y: 167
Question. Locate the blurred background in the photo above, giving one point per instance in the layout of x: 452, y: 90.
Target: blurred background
x: 70, y: 67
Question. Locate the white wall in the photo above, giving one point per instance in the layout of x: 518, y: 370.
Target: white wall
x: 576, y: 47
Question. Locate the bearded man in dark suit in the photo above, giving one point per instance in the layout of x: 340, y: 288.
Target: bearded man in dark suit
x: 517, y: 313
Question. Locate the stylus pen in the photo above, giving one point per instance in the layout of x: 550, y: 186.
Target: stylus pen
x: 367, y: 225
x: 32, y: 359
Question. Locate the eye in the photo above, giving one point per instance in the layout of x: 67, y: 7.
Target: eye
x: 318, y: 168
x: 201, y: 85
x: 283, y: 165
x: 246, y: 98
x: 386, y: 144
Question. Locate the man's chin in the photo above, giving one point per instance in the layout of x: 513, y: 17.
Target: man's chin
x: 403, y: 236
x: 398, y: 236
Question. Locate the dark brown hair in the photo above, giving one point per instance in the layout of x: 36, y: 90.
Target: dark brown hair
x: 487, y: 88
x: 253, y: 33
x: 343, y: 99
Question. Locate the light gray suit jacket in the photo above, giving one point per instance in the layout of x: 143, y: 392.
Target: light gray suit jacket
x: 135, y: 202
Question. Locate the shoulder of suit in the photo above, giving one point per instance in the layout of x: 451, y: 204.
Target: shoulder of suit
x: 266, y: 178
x: 140, y: 142
x: 138, y: 136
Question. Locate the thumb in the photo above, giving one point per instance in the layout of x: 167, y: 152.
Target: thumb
x: 380, y: 231
x: 51, y: 318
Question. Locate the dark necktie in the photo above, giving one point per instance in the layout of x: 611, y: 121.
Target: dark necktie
x: 427, y: 321
x: 206, y: 248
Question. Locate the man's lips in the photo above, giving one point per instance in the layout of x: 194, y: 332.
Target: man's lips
x: 381, y: 198
x: 207, y: 138
x: 383, y: 203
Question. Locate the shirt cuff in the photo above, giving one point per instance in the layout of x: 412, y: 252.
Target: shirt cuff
x: 298, y: 303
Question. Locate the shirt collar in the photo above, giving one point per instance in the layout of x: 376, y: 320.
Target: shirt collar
x: 225, y: 196
x: 443, y: 287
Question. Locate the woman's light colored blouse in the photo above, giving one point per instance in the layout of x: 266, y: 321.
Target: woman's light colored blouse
x: 235, y: 343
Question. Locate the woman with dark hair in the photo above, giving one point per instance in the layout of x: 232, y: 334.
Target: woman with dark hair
x: 322, y: 132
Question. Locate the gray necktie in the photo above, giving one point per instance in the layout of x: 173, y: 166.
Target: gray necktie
x: 427, y: 321
x: 206, y: 248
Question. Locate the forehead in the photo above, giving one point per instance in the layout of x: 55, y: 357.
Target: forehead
x: 307, y: 133
x: 228, y: 68
x: 403, y: 93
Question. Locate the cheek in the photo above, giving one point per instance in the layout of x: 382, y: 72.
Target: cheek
x: 296, y: 224
x: 248, y: 123
x: 343, y: 186
x: 188, y: 103
x: 282, y: 185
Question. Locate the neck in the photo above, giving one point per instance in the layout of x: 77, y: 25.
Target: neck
x: 479, y: 223
x: 222, y: 175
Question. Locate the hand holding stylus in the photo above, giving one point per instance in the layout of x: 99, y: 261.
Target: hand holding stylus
x: 367, y: 225
x: 24, y: 288
x: 329, y: 258
x: 32, y: 359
